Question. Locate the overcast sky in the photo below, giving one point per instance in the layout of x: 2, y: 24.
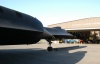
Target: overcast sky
x: 55, y: 11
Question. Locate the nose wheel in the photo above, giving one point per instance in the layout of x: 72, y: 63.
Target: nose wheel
x: 49, y: 48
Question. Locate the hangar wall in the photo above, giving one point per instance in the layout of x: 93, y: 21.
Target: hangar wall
x: 87, y: 23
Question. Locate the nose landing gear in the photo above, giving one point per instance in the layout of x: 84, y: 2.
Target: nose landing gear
x: 50, y: 47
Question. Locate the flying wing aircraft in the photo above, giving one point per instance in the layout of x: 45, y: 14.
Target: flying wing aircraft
x: 18, y: 28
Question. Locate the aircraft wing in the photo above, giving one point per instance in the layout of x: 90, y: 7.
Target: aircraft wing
x: 18, y: 28
x: 57, y: 32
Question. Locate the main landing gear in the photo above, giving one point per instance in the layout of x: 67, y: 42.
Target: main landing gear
x: 49, y: 48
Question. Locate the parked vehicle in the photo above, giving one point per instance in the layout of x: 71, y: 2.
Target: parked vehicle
x: 73, y: 41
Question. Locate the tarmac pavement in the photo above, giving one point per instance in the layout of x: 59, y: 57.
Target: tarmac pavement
x: 62, y: 54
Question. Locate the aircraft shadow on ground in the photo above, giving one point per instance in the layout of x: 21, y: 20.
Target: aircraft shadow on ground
x: 68, y: 48
x: 38, y: 56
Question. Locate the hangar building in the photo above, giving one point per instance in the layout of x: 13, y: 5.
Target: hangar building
x: 85, y: 29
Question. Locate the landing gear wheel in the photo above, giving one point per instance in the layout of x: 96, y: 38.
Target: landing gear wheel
x: 49, y: 48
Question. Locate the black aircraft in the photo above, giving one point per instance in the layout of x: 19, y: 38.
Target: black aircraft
x: 19, y: 28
